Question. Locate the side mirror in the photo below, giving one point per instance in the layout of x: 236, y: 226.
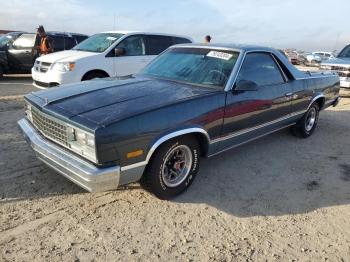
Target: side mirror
x: 119, y: 51
x: 246, y: 85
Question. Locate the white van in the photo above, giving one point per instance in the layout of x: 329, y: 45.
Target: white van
x: 107, y: 54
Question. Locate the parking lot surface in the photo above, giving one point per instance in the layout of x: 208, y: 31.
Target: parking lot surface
x: 15, y: 86
x: 277, y: 198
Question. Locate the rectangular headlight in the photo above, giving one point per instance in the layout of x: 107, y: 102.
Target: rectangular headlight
x: 82, y: 142
x: 84, y: 138
x: 28, y: 111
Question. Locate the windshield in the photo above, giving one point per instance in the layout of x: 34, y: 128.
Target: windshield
x: 98, y: 43
x: 200, y: 66
x: 345, y: 52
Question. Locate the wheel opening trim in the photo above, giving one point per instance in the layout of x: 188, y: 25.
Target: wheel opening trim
x: 163, y: 139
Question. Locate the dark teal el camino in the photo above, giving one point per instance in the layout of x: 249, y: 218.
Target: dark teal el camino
x: 192, y: 101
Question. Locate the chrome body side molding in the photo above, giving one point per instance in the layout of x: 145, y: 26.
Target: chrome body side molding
x: 247, y: 130
x: 252, y: 139
x: 141, y: 165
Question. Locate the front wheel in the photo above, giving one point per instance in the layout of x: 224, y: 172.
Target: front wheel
x: 173, y: 167
x: 93, y: 75
x: 307, y: 124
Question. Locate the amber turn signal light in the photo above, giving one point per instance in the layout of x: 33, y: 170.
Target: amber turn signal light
x: 71, y: 66
x: 134, y: 153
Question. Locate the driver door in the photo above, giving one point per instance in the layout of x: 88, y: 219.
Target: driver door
x: 21, y: 53
x: 252, y: 113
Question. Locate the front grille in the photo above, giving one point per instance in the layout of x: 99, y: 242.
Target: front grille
x: 50, y: 127
x: 46, y: 85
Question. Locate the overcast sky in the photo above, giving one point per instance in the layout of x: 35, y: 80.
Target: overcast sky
x: 303, y: 24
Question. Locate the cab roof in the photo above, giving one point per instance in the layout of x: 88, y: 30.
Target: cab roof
x: 127, y: 32
x: 236, y: 47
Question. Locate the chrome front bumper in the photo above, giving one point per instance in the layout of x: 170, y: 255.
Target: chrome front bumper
x: 76, y: 169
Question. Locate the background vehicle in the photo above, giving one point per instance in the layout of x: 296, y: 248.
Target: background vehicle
x: 22, y: 52
x: 5, y: 41
x: 315, y: 58
x: 324, y: 55
x: 341, y: 65
x: 191, y: 101
x: 107, y: 54
x: 3, y: 63
x: 295, y: 57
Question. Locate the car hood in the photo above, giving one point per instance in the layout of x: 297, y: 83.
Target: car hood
x: 65, y: 56
x: 338, y: 61
x: 104, y: 101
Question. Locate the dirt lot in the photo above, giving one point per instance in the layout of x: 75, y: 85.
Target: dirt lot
x: 278, y: 198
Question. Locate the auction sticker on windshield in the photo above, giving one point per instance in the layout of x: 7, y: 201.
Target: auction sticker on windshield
x: 220, y: 55
x: 111, y: 38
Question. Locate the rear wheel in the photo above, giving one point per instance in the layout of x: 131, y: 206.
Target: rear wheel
x: 93, y: 75
x: 1, y: 72
x: 173, y: 167
x: 307, y: 124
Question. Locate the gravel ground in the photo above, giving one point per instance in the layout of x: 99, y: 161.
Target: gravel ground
x: 277, y: 198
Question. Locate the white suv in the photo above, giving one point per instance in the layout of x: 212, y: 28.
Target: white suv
x: 107, y: 54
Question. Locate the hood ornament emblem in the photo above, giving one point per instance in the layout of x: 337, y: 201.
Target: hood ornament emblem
x: 46, y: 101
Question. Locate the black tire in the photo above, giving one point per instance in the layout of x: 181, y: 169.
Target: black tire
x: 155, y: 177
x: 303, y: 128
x: 1, y: 72
x: 93, y: 75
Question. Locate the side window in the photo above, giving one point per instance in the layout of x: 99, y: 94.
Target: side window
x: 157, y: 44
x: 69, y: 42
x: 260, y: 68
x: 58, y: 42
x: 133, y: 45
x: 24, y: 41
x: 180, y: 40
x: 80, y: 38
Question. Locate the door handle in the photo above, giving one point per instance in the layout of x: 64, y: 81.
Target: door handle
x: 288, y: 94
